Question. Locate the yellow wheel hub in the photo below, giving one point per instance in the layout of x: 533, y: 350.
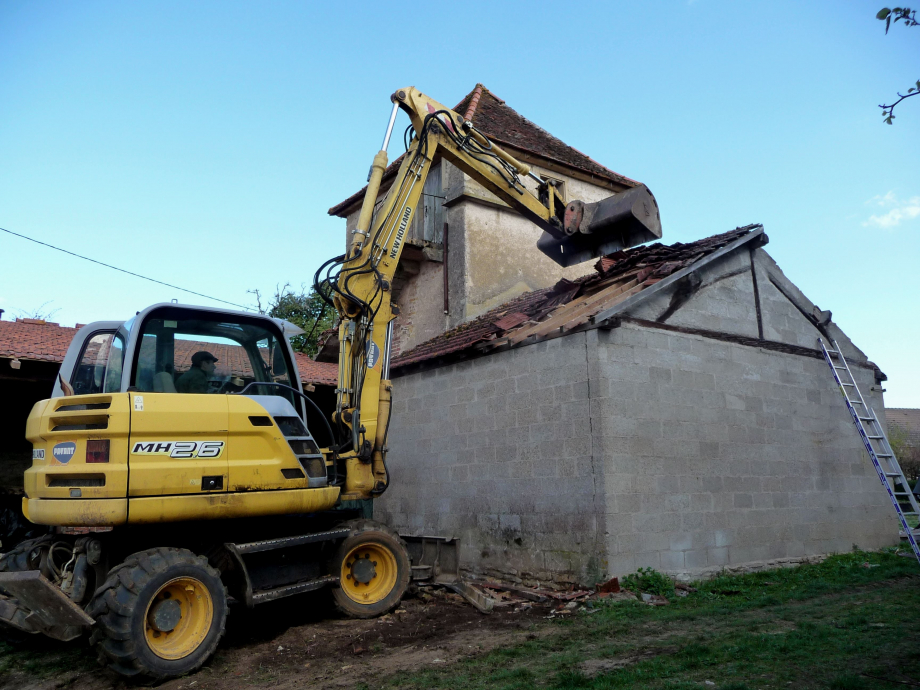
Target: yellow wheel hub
x: 368, y: 573
x: 178, y: 618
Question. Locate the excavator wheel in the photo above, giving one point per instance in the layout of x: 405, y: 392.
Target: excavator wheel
x: 23, y: 556
x: 160, y: 614
x: 373, y: 568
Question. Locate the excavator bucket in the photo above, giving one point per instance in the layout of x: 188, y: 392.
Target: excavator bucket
x: 592, y: 230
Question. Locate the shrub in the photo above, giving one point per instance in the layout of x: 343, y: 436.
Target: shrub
x: 650, y: 581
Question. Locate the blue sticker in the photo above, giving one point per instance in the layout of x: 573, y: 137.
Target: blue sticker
x: 63, y: 452
x: 373, y: 355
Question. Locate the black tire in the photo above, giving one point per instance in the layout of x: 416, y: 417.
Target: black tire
x: 121, y: 604
x: 380, y: 539
x: 19, y: 558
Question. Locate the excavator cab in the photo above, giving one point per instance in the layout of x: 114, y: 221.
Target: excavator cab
x: 153, y: 417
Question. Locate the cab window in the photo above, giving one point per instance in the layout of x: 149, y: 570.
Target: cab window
x: 179, y: 354
x: 100, y: 365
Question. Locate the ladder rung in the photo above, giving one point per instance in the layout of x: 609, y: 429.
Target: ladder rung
x: 867, y: 419
x: 841, y: 368
x: 884, y: 455
x: 856, y: 402
x: 875, y: 437
x: 848, y: 385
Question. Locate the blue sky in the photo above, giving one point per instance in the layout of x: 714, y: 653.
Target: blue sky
x: 202, y: 143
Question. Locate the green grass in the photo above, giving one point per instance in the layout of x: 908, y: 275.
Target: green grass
x: 830, y: 625
x: 38, y: 657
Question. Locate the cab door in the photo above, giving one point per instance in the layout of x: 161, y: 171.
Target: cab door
x: 178, y: 444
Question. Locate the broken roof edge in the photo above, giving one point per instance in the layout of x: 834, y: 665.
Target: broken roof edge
x: 501, y: 329
x: 631, y: 302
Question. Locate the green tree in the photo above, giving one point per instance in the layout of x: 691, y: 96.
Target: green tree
x: 304, y: 308
x: 909, y: 17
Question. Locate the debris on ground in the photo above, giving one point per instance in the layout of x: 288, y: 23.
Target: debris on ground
x: 612, y: 586
x: 654, y: 599
x: 622, y: 595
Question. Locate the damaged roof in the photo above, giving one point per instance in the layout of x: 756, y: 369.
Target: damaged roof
x: 571, y: 304
x: 44, y: 341
x: 504, y: 125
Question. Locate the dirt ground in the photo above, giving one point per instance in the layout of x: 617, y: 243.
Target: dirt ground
x: 302, y: 643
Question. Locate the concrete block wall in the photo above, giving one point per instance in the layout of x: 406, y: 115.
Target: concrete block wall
x: 603, y: 451
x: 721, y: 454
x: 498, y: 451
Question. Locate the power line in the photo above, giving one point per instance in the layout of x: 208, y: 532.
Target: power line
x: 130, y: 273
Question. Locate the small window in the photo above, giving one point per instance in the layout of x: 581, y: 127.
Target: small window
x: 100, y: 365
x: 558, y: 184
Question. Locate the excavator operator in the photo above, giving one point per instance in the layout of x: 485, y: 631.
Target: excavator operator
x: 195, y: 380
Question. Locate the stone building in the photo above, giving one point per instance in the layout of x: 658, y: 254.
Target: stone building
x: 669, y: 410
x: 467, y: 251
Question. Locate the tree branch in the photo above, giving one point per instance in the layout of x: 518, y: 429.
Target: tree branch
x: 888, y: 109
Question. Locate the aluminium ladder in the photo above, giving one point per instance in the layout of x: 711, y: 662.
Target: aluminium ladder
x: 876, y: 443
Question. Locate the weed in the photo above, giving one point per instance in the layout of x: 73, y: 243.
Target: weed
x: 651, y: 581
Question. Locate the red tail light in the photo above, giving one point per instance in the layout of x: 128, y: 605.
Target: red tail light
x: 97, y: 451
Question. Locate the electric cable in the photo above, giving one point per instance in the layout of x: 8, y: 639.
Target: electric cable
x: 130, y: 273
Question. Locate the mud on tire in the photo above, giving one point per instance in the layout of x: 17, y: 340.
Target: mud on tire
x: 374, y: 570
x: 125, y: 607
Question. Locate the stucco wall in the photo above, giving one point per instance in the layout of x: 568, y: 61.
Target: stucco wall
x: 492, y: 258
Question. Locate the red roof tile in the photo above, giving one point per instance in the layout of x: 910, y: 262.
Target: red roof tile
x: 505, y: 126
x: 324, y: 373
x: 569, y: 304
x: 34, y: 340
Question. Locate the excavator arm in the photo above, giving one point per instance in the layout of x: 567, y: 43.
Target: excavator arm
x: 360, y: 289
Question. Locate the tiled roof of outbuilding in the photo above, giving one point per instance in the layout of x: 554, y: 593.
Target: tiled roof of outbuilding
x: 37, y: 340
x: 34, y: 339
x: 908, y: 419
x: 570, y: 304
x: 507, y: 127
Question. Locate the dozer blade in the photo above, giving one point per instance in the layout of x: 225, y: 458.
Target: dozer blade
x: 434, y: 559
x: 41, y: 606
x: 592, y: 230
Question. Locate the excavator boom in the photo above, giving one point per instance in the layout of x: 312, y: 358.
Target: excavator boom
x: 573, y: 232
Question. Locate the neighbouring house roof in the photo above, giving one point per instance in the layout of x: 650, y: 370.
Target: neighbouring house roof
x: 504, y: 125
x: 908, y: 419
x: 35, y: 339
x: 571, y: 304
x: 43, y: 341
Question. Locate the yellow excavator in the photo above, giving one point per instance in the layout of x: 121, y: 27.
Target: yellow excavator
x: 180, y: 462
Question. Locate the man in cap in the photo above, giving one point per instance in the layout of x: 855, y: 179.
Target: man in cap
x: 195, y: 380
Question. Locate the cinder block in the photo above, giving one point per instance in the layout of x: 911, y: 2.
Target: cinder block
x: 672, y: 561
